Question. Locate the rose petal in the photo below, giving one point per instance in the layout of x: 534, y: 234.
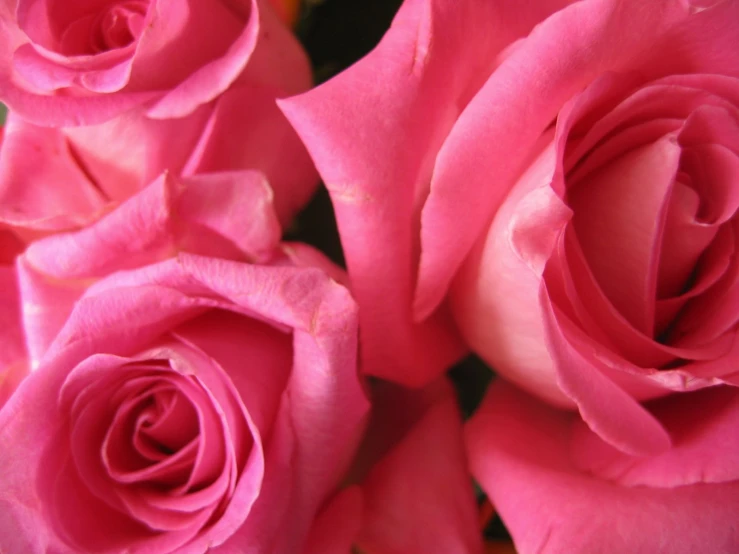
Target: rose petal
x: 336, y: 527
x: 496, y: 295
x: 41, y: 184
x: 619, y: 217
x: 700, y: 424
x: 247, y: 130
x: 442, y: 50
x: 518, y: 449
x: 417, y: 499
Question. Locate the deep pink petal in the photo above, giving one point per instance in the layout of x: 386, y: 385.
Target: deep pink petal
x: 336, y: 527
x: 417, y: 499
x: 13, y: 356
x: 608, y: 409
x: 619, y: 217
x: 256, y: 357
x: 701, y: 424
x: 518, y: 449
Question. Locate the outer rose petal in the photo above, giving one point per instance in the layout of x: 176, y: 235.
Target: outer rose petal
x: 519, y: 453
x: 246, y: 130
x: 374, y: 202
x: 417, y: 498
x: 226, y: 214
x: 320, y: 414
x: 337, y: 525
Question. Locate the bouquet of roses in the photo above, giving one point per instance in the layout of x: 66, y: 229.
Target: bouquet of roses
x: 527, y: 340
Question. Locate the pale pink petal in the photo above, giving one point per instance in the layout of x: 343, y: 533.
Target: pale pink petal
x: 497, y: 296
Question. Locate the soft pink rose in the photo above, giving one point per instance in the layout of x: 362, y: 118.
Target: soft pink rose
x: 560, y: 488
x: 575, y: 188
x: 194, y: 404
x: 80, y: 63
x: 417, y: 496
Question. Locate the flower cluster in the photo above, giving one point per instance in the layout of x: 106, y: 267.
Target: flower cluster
x: 550, y: 185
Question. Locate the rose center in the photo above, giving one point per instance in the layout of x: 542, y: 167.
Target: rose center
x: 154, y: 431
x: 118, y: 26
x: 104, y: 28
x: 653, y: 221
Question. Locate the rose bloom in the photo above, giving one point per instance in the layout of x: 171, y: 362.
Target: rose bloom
x: 564, y: 179
x: 412, y: 490
x: 135, y: 88
x: 194, y: 404
x: 75, y: 63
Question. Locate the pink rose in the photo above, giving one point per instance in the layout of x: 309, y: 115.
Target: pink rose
x: 560, y: 488
x: 78, y: 63
x: 576, y: 190
x: 194, y: 404
x: 417, y: 496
